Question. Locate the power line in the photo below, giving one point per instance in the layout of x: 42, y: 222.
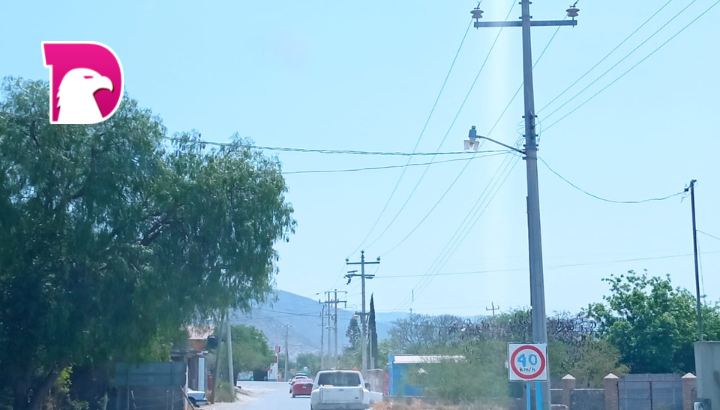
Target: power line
x: 472, y: 210
x: 324, y: 151
x: 605, y: 199
x: 452, y: 124
x: 605, y: 58
x: 634, y: 66
x: 572, y: 265
x: 392, y: 194
x: 453, y: 248
x: 434, y: 266
x: 326, y: 171
x: 521, y: 84
x: 707, y: 234
x: 621, y: 60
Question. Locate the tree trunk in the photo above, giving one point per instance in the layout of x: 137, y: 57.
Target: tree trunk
x: 41, y: 393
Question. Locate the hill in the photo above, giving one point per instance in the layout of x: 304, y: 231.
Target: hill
x: 303, y: 315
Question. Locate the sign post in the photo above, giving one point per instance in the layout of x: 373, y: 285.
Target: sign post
x: 528, y: 363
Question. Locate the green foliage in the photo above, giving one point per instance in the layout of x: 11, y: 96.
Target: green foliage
x: 482, y: 374
x: 419, y: 334
x: 372, y: 336
x: 250, y: 351
x: 353, y: 334
x: 309, y: 360
x: 384, y: 349
x: 652, y: 324
x: 110, y: 235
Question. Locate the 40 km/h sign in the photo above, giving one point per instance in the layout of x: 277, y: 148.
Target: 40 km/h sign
x: 527, y: 362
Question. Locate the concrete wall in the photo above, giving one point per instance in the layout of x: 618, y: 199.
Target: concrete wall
x: 587, y: 399
x: 707, y: 364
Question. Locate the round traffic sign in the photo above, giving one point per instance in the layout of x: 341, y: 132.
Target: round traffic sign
x: 528, y: 362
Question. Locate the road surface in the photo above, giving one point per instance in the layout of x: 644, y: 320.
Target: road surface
x: 264, y: 396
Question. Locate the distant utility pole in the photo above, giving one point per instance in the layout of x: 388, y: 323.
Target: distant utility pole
x: 697, y: 274
x: 335, y: 302
x: 329, y: 329
x: 322, y: 337
x: 287, y: 353
x: 363, y: 315
x: 493, y: 308
x: 537, y: 284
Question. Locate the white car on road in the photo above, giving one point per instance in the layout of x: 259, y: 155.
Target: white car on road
x: 340, y: 389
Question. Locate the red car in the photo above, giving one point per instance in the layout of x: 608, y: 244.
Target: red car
x: 302, y: 387
x: 296, y: 378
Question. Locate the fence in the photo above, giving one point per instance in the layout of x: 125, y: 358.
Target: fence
x: 650, y: 392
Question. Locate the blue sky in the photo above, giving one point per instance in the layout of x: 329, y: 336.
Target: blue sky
x: 364, y: 76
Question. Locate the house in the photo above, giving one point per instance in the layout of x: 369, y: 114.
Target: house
x: 193, y: 353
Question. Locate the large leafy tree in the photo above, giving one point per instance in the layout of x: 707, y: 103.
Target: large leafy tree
x: 250, y: 350
x: 652, y: 324
x: 112, y: 240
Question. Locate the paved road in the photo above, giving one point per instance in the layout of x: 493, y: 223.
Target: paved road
x: 273, y: 395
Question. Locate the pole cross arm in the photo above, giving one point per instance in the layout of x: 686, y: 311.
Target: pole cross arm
x: 546, y: 23
x: 473, y: 138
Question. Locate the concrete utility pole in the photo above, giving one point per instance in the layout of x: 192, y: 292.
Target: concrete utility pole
x: 334, y: 357
x: 697, y: 274
x: 363, y: 315
x: 329, y: 329
x: 287, y: 354
x: 322, y: 337
x: 493, y: 309
x: 537, y: 284
x: 231, y: 376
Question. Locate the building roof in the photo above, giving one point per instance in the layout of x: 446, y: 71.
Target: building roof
x: 413, y: 359
x: 200, y: 332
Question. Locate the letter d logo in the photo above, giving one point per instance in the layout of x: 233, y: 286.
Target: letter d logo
x: 86, y: 81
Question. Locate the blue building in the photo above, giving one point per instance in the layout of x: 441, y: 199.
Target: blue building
x: 399, y: 365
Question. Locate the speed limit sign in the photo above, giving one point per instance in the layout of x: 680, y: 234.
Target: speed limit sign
x: 527, y: 362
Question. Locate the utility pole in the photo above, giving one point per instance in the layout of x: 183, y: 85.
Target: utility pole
x: 363, y: 316
x: 537, y: 283
x: 335, y: 320
x: 231, y: 376
x: 697, y: 274
x: 216, y: 371
x: 322, y: 337
x: 329, y: 329
x: 493, y: 309
x: 287, y: 354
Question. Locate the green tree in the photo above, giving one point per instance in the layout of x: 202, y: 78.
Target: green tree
x: 353, y: 334
x: 250, y: 350
x: 652, y: 324
x: 372, y: 336
x: 309, y: 360
x: 110, y: 235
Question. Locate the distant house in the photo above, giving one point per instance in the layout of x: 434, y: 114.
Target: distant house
x: 193, y: 353
x: 400, y: 364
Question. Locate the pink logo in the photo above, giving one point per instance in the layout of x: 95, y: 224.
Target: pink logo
x: 86, y: 81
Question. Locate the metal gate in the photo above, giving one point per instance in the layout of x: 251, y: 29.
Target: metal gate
x: 650, y: 392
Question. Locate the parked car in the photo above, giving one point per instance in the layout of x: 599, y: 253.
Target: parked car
x: 302, y: 387
x: 340, y: 389
x: 296, y: 378
x: 197, y: 398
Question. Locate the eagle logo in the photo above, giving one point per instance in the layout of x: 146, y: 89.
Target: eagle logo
x: 76, y: 96
x: 86, y: 81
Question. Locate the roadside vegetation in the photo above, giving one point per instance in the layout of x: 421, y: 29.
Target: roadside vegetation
x: 115, y: 236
